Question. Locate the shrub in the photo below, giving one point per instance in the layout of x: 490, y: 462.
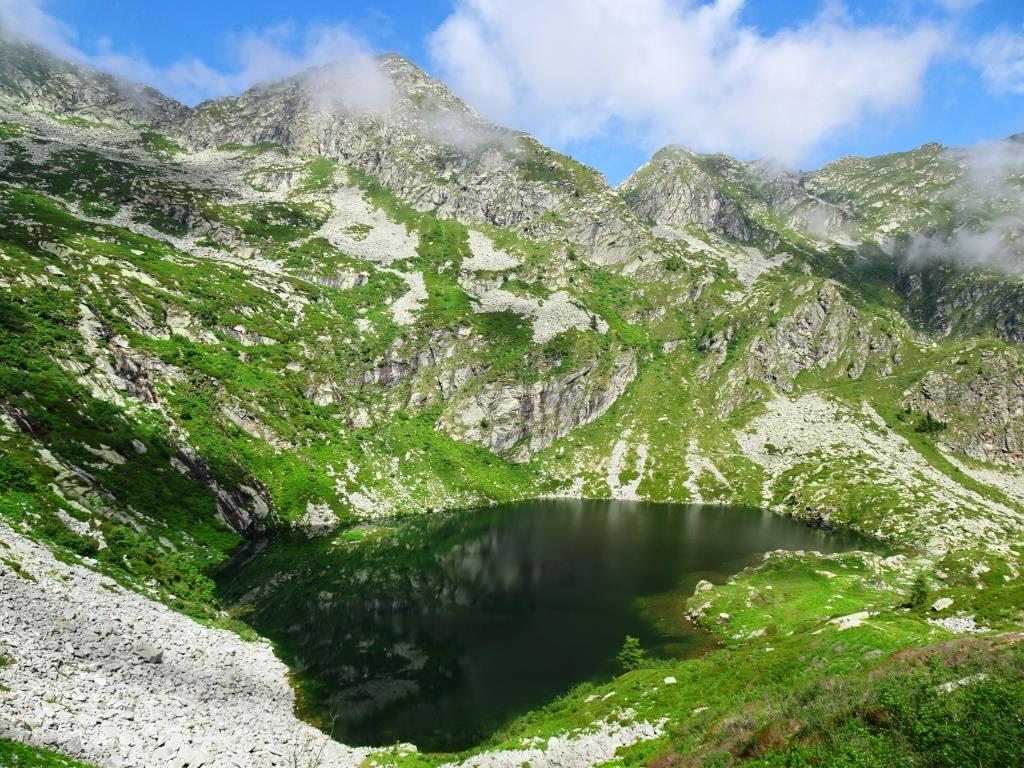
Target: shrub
x: 673, y: 264
x: 929, y: 425
x: 16, y: 474
x: 918, y: 591
x: 631, y: 655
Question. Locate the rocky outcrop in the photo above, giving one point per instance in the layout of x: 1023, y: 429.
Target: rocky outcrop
x: 20, y: 421
x: 34, y: 79
x: 399, y: 363
x: 814, y: 335
x: 982, y: 405
x: 115, y: 371
x: 521, y: 419
x: 674, y: 190
x: 596, y: 223
x: 244, y: 506
x: 823, y: 330
x: 784, y: 194
x: 947, y: 299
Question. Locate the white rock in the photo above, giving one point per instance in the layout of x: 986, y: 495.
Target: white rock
x: 960, y: 625
x: 952, y: 685
x: 486, y: 256
x: 147, y: 652
x: 851, y: 620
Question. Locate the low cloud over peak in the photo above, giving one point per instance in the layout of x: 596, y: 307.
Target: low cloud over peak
x: 255, y: 56
x: 629, y: 75
x: 680, y: 72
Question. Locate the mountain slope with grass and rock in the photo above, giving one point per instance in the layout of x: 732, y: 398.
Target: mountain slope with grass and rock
x: 345, y: 298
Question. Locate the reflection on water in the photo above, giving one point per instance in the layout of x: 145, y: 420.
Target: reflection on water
x: 441, y: 630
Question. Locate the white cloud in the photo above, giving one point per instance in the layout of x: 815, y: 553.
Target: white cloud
x: 255, y: 56
x: 991, y: 189
x: 27, y: 19
x: 1000, y: 57
x: 278, y: 52
x: 675, y: 71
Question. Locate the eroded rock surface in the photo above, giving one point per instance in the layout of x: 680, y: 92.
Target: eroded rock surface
x: 527, y: 418
x: 981, y: 404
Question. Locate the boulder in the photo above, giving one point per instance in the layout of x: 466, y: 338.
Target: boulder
x: 942, y: 603
x: 147, y: 652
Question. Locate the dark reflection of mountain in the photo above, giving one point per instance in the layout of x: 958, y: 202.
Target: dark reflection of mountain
x: 443, y: 629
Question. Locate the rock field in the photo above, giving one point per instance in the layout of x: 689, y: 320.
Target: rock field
x: 119, y: 680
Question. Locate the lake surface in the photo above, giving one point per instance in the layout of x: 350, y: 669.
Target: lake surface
x: 442, y: 629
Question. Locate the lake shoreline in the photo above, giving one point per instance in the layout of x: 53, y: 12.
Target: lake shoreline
x: 289, y: 594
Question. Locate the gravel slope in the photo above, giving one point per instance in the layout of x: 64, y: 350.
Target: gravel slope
x: 80, y: 681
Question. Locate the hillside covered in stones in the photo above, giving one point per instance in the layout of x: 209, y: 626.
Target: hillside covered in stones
x: 346, y: 297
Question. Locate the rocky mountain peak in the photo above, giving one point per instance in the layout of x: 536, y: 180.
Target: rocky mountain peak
x: 32, y: 78
x: 676, y: 188
x: 384, y: 89
x: 417, y: 85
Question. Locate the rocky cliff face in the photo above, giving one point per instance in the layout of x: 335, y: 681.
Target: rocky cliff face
x: 948, y: 300
x: 672, y: 189
x: 820, y: 331
x: 979, y: 401
x: 783, y: 194
x: 522, y: 419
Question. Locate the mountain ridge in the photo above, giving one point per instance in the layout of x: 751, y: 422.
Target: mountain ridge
x: 412, y: 73
x: 750, y: 216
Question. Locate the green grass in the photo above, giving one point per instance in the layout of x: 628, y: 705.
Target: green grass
x: 909, y: 720
x: 319, y: 176
x: 16, y: 755
x: 160, y: 145
x: 252, y: 149
x: 543, y: 165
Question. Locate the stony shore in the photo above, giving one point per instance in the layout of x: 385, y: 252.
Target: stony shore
x: 119, y: 680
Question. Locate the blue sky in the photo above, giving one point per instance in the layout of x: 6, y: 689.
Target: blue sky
x: 922, y: 70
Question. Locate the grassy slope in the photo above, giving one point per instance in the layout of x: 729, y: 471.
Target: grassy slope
x: 14, y: 755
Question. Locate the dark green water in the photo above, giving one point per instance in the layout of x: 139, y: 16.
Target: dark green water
x: 444, y: 628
